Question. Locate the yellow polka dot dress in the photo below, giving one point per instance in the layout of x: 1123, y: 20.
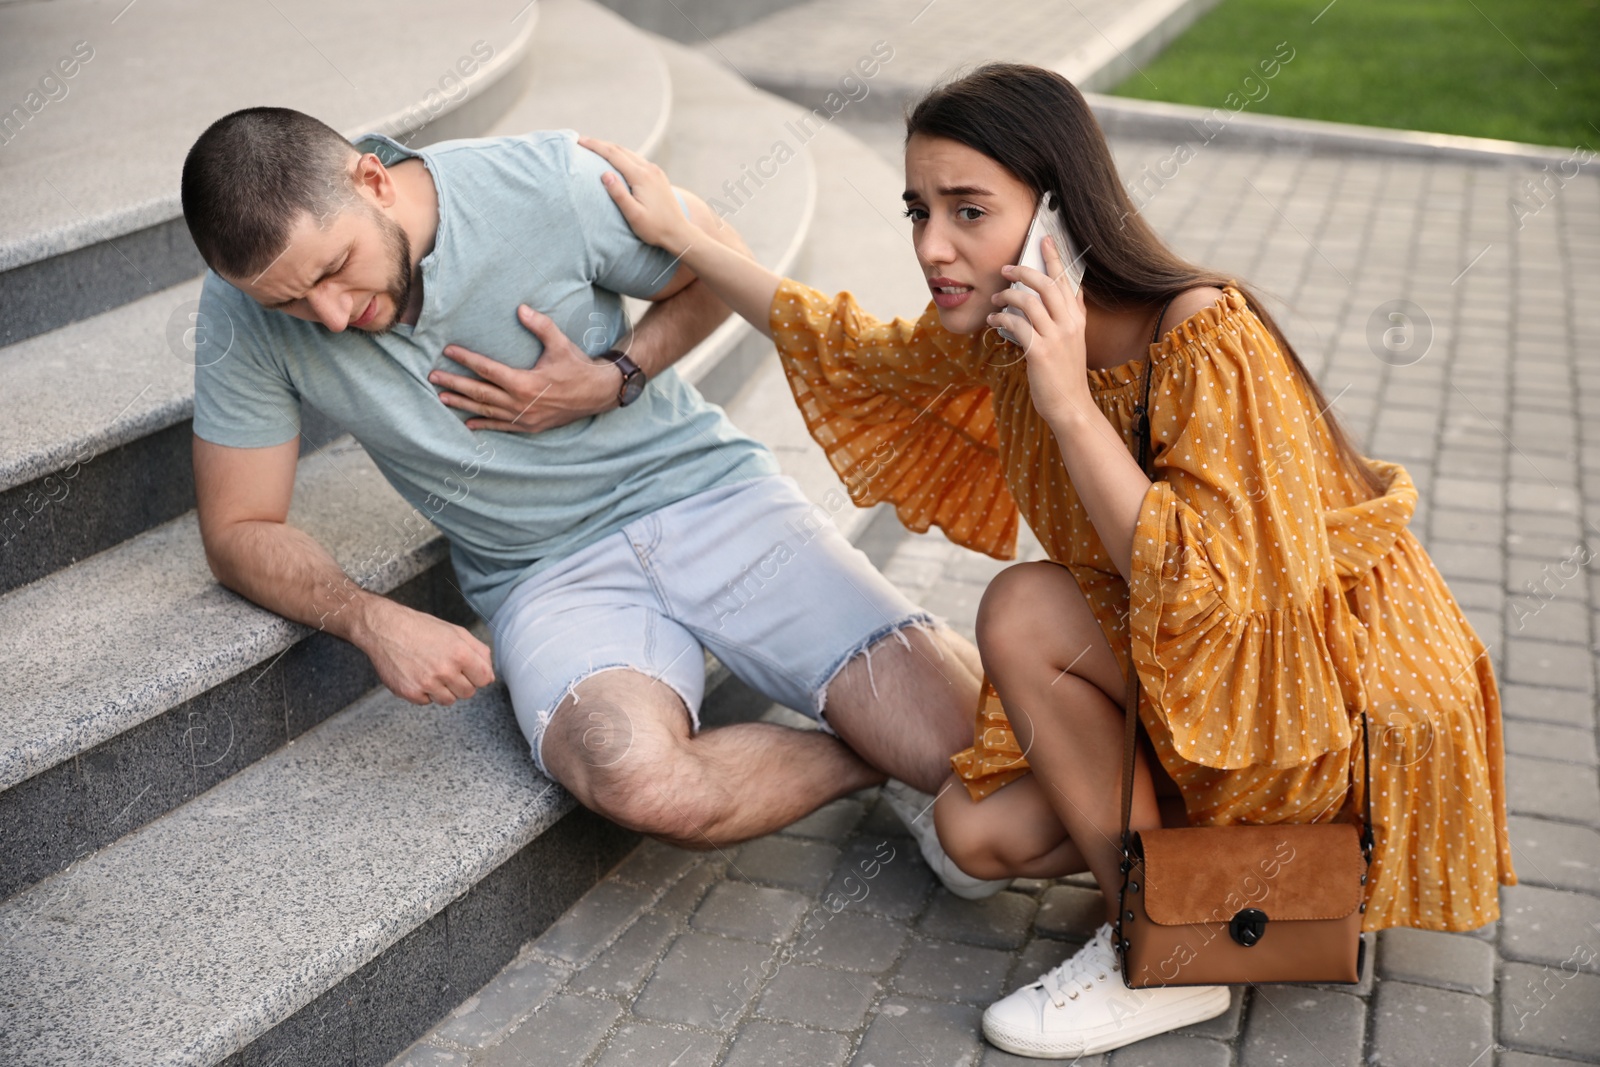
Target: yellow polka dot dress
x: 1272, y: 602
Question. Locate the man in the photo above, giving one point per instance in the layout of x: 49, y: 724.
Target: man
x: 633, y: 528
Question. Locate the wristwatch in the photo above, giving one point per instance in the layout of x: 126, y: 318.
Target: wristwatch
x: 632, y: 377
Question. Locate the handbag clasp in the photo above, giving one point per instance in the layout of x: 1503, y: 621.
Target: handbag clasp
x: 1248, y: 926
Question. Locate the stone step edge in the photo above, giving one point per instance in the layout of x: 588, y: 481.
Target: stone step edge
x: 106, y: 227
x: 1135, y: 119
x: 1100, y: 62
x: 362, y: 926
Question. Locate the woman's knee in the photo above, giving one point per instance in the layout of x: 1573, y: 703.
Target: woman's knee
x: 967, y: 838
x: 1010, y: 612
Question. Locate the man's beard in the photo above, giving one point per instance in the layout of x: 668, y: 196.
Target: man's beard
x: 400, y: 285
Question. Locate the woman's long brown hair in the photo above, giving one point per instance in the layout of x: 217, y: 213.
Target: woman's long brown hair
x: 1037, y: 125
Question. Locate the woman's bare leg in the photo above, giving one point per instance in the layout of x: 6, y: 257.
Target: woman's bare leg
x: 1011, y: 833
x: 1055, y: 674
x: 1014, y: 832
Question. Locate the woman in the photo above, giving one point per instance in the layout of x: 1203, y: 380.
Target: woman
x: 1264, y: 585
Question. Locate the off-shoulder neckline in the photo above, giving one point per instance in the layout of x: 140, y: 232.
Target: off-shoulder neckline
x: 1197, y: 328
x: 1200, y: 326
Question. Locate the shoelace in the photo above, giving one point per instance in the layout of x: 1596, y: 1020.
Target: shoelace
x: 1081, y: 971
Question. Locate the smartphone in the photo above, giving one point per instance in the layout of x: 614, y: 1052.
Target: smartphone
x: 1046, y: 221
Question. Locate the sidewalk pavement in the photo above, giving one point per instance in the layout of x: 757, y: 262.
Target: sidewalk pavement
x: 1486, y: 388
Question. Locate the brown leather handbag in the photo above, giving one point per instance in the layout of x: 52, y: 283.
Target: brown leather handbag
x: 1212, y: 905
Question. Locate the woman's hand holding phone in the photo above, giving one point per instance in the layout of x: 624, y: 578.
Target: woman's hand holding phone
x: 1050, y: 332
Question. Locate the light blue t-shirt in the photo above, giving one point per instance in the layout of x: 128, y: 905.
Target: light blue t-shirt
x: 521, y: 220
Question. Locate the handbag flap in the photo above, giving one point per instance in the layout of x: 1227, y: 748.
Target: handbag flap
x: 1207, y: 874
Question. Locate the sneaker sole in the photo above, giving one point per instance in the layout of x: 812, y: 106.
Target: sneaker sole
x: 1198, y: 1010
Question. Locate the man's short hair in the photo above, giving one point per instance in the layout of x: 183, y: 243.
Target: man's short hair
x: 251, y: 174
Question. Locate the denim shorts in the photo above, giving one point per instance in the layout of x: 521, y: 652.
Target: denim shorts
x: 754, y: 572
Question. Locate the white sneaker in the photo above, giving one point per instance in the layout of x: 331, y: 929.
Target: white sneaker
x: 1082, y: 1007
x: 915, y: 809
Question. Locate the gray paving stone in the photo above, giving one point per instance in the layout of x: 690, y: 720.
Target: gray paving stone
x: 591, y: 923
x: 1548, y: 704
x: 430, y: 1056
x: 1034, y: 887
x: 1224, y: 1027
x: 831, y: 822
x: 1551, y: 742
x: 1550, y: 663
x: 881, y: 822
x: 1467, y: 560
x: 1485, y: 596
x: 1541, y: 579
x: 853, y: 941
x: 1001, y: 921
x: 753, y: 912
x: 566, y: 1030
x: 492, y: 1010
x: 1550, y: 926
x: 1550, y: 1010
x: 622, y: 968
x: 1471, y: 494
x: 654, y: 864
x: 785, y: 861
x: 1554, y: 790
x: 948, y: 970
x: 764, y: 1044
x: 704, y: 981
x: 640, y: 1044
x: 1303, y: 1026
x: 907, y: 1032
x: 1172, y: 1050
x: 1070, y: 912
x: 900, y: 888
x: 1551, y: 619
x: 1526, y: 1059
x: 1428, y: 957
x: 684, y: 897
x: 1416, y: 1024
x: 1477, y: 527
x: 818, y: 997
x: 1555, y: 854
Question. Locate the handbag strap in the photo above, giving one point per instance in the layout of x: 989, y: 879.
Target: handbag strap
x: 1131, y: 698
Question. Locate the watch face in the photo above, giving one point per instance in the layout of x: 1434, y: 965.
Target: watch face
x: 632, y: 386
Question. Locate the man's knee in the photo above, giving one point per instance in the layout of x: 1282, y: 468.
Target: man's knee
x: 653, y: 801
x: 641, y: 778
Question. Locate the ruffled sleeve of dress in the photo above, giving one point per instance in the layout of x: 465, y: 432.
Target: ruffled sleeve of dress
x: 902, y: 413
x: 1246, y: 647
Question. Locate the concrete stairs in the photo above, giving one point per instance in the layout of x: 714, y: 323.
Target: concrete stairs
x: 219, y: 843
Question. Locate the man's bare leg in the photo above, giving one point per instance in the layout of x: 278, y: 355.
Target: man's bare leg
x: 906, y: 705
x: 621, y: 744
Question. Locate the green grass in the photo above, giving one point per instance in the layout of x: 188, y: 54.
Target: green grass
x: 1410, y: 64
